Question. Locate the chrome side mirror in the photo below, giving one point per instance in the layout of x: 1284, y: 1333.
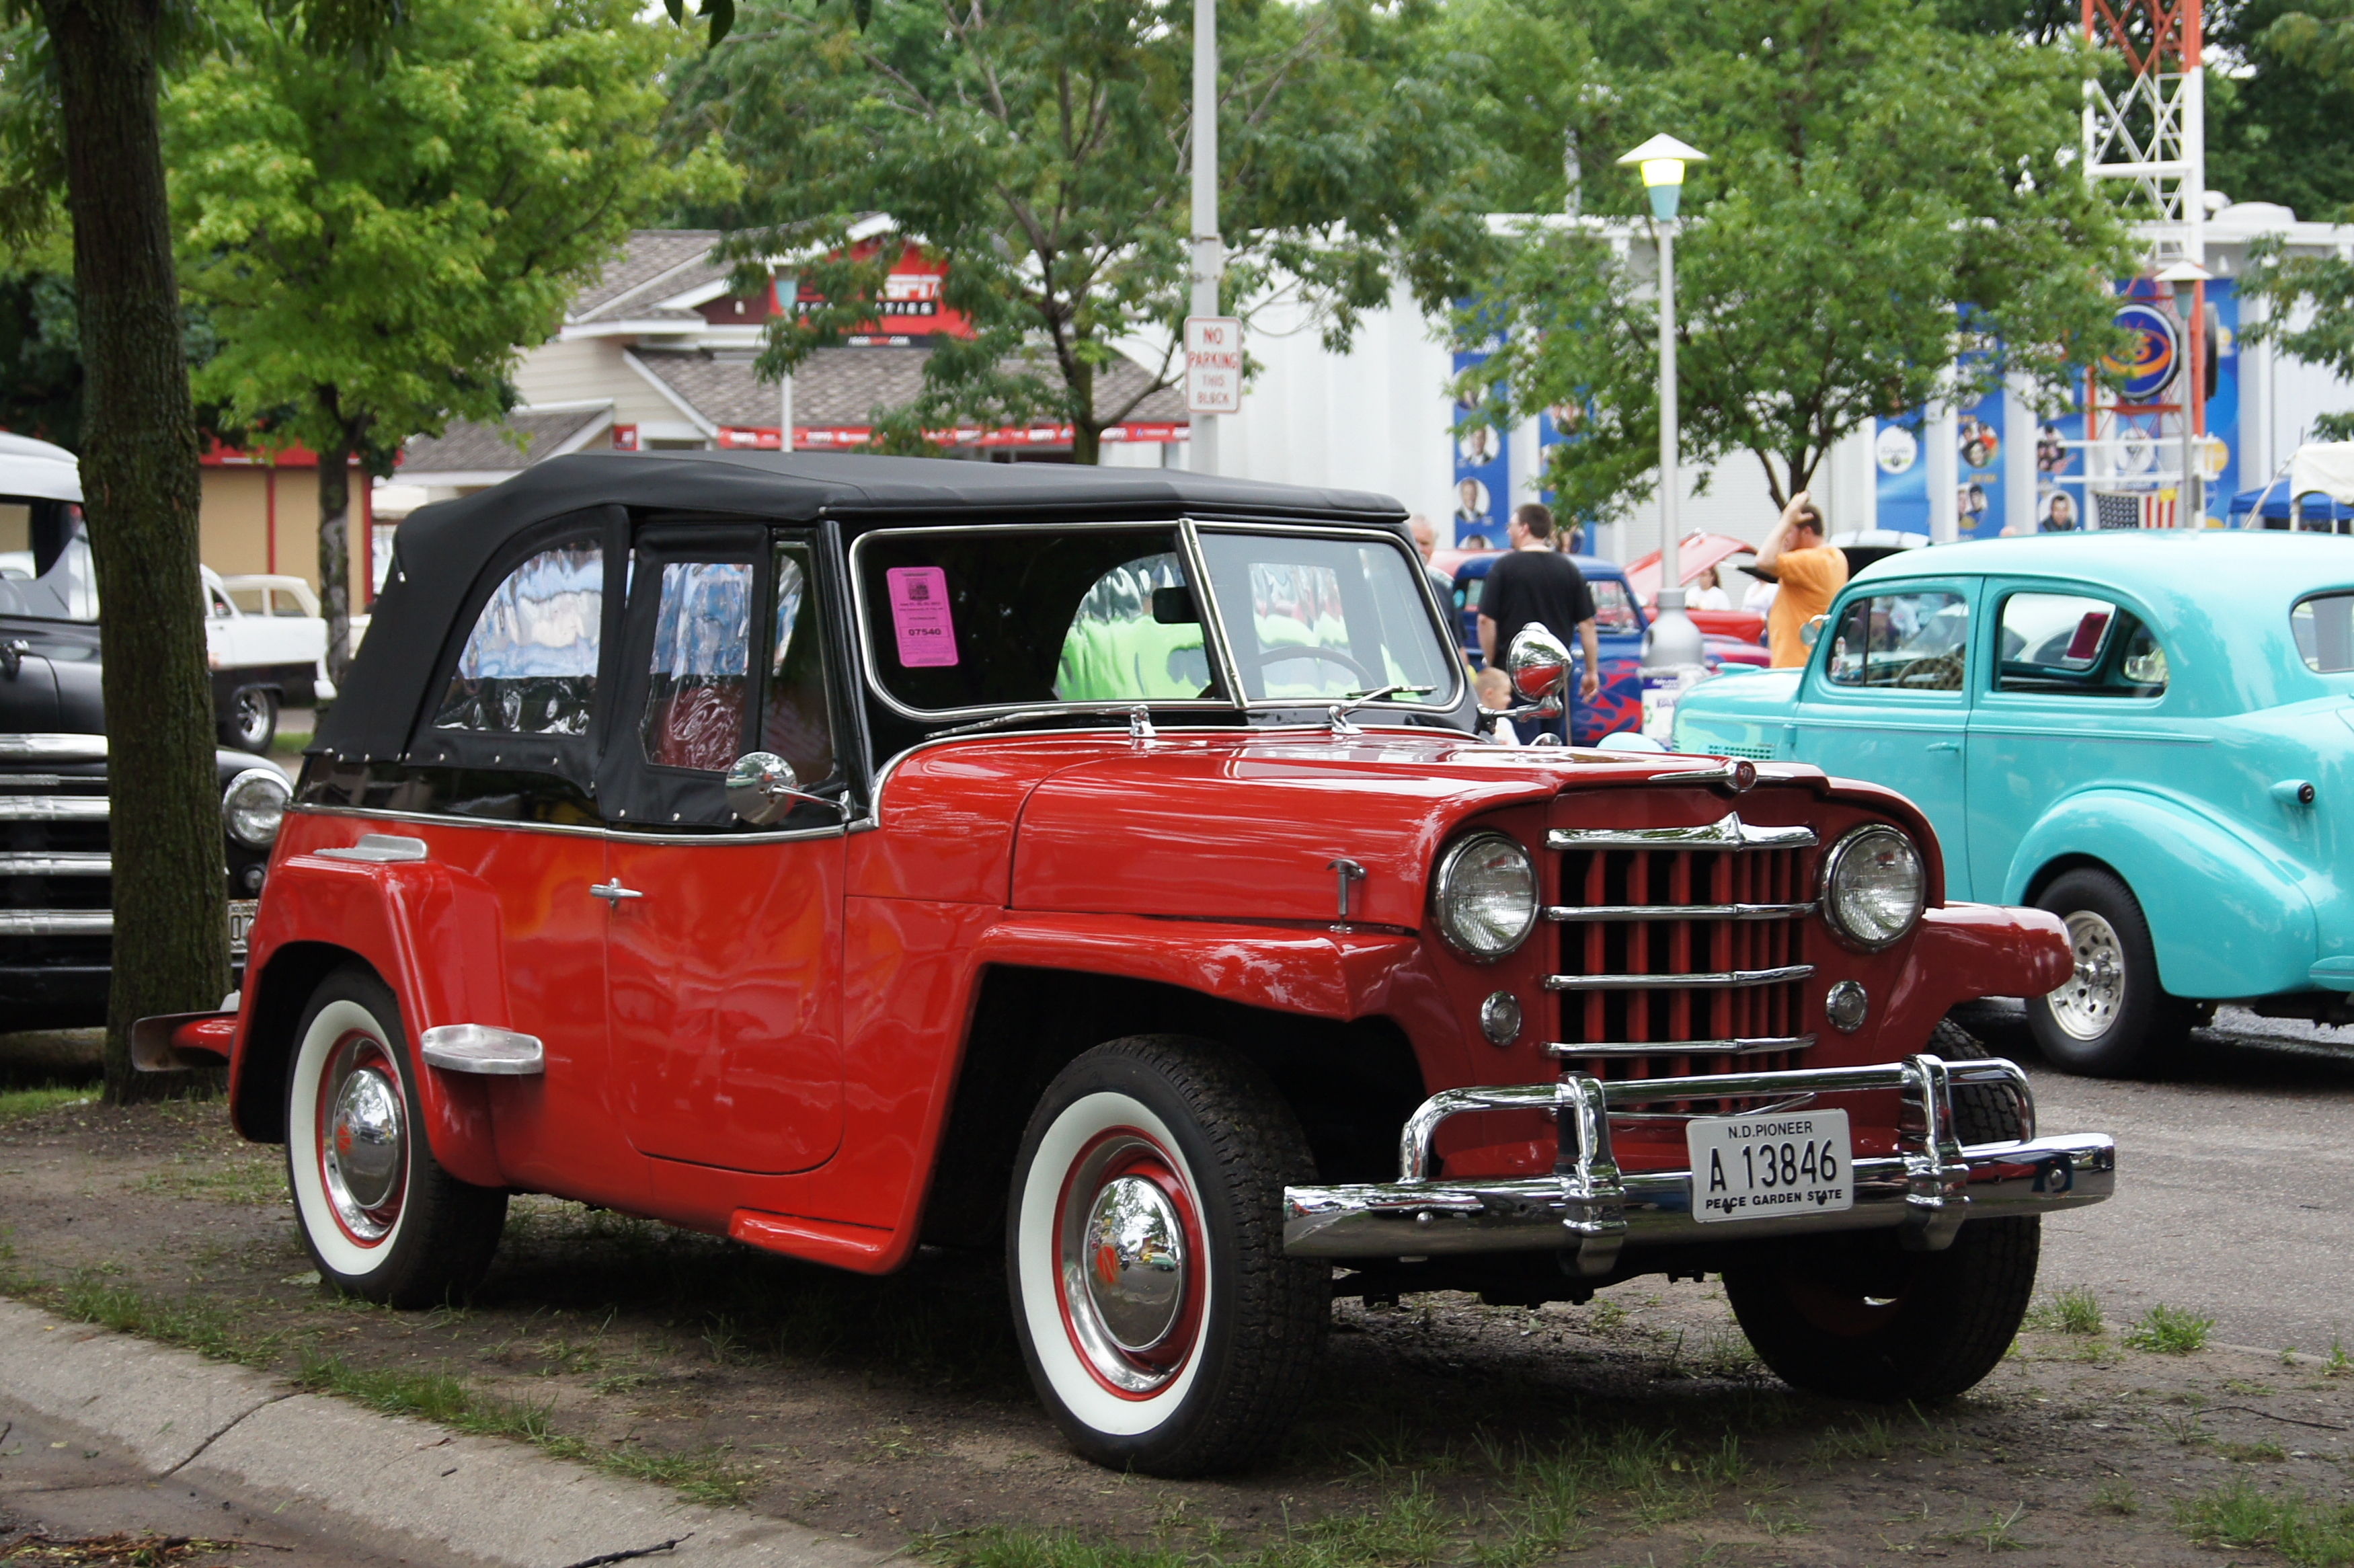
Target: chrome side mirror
x: 1812, y: 632
x: 1537, y: 663
x: 762, y: 786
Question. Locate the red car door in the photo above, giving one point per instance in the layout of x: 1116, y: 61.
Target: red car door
x: 724, y: 943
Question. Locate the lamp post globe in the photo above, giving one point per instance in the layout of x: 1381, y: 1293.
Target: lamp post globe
x: 1673, y: 642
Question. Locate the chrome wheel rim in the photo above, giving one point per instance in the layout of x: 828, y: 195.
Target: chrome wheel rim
x: 252, y: 716
x: 2087, y: 1005
x: 363, y: 1137
x: 1128, y: 1263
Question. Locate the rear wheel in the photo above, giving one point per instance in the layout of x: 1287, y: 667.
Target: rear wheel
x: 252, y: 722
x: 1163, y: 1328
x: 1857, y: 1316
x: 2110, y: 1018
x: 378, y: 1215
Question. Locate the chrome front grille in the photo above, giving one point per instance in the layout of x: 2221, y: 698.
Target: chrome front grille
x: 1681, y: 950
x: 55, y: 877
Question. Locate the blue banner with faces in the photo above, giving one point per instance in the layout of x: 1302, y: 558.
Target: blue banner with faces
x: 1901, y: 473
x: 1977, y: 469
x: 1483, y: 473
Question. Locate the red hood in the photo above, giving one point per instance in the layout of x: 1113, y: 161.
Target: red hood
x: 1248, y: 829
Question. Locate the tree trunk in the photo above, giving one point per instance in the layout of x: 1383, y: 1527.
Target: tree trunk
x: 1086, y: 436
x: 336, y: 554
x: 139, y: 472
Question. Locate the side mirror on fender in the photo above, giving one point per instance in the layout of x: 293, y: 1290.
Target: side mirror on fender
x: 1812, y: 632
x: 1537, y: 663
x: 762, y: 786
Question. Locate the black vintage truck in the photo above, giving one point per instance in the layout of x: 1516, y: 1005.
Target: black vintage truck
x: 57, y: 904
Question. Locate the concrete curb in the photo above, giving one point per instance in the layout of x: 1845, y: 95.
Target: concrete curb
x: 404, y: 1481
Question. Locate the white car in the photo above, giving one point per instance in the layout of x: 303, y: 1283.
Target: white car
x: 266, y: 646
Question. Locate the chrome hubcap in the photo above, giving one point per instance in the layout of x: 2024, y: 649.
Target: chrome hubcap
x: 364, y: 1141
x: 1135, y: 1263
x: 2088, y: 1004
x: 1126, y: 1262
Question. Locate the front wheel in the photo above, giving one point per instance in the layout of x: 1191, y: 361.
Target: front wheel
x: 1163, y: 1327
x: 379, y: 1215
x: 252, y: 722
x: 2110, y: 1018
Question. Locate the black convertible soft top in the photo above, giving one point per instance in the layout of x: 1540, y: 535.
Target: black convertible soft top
x: 439, y: 551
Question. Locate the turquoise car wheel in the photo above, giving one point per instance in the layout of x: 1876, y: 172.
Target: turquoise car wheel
x: 2111, y: 1018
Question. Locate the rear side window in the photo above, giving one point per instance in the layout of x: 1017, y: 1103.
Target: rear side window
x: 701, y: 679
x: 2078, y: 643
x: 2324, y: 629
x: 529, y: 666
x: 1613, y: 611
x: 1912, y: 641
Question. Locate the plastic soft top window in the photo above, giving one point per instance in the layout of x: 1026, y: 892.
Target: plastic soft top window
x: 529, y: 666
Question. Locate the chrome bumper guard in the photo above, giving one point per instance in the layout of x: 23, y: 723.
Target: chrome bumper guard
x: 1591, y: 1209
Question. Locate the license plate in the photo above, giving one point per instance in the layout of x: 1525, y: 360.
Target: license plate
x: 241, y: 922
x: 1783, y: 1162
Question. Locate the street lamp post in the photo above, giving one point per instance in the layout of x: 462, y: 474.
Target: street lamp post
x: 1673, y: 640
x: 2188, y: 281
x: 1209, y: 259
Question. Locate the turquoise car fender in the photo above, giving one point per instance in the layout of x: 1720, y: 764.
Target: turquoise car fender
x: 2226, y: 918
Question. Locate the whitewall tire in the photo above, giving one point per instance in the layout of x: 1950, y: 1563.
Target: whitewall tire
x: 378, y: 1215
x: 1163, y: 1328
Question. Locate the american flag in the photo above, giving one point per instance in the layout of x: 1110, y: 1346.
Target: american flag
x: 2133, y: 509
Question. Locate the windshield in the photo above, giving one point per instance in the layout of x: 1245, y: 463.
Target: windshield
x: 963, y: 620
x: 67, y: 588
x: 1322, y: 619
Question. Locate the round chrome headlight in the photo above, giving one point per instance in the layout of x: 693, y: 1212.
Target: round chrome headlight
x: 1873, y: 886
x: 1485, y: 895
x: 254, y: 806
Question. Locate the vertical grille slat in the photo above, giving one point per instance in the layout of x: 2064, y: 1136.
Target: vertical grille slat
x: 1727, y: 996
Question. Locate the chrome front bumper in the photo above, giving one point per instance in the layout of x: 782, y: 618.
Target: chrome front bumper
x: 1588, y: 1207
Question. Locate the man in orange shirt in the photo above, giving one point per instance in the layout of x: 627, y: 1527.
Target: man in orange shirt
x: 1811, y: 574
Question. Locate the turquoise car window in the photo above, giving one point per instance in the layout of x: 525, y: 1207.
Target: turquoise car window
x: 1614, y: 612
x: 1917, y: 642
x: 2324, y: 629
x: 2065, y: 642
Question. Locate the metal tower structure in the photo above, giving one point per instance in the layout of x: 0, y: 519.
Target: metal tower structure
x: 2152, y: 134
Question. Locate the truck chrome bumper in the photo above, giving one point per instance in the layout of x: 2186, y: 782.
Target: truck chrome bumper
x: 1590, y: 1208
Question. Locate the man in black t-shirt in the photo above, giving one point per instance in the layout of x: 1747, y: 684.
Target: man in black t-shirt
x: 1534, y: 582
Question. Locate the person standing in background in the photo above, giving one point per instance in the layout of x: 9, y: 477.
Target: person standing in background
x: 1811, y: 574
x: 1534, y: 583
x: 1708, y: 592
x: 1425, y: 542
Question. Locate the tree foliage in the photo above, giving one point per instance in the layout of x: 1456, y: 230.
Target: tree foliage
x: 1043, y: 150
x: 1876, y: 183
x: 374, y: 239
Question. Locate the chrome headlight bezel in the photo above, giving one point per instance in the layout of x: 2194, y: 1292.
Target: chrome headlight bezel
x: 249, y: 814
x: 1854, y: 851
x: 1484, y: 942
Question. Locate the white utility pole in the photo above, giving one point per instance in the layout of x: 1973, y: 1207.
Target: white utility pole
x: 1209, y: 252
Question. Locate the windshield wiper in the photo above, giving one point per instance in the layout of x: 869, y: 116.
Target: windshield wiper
x: 1338, y: 714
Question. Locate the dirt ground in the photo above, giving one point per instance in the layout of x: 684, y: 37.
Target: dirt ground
x: 1637, y: 1429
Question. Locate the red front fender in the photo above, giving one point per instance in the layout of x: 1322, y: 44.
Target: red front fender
x: 431, y: 934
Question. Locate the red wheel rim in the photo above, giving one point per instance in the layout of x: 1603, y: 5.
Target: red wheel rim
x: 1129, y: 1263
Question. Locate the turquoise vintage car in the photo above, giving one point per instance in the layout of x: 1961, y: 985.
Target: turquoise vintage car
x: 2150, y: 735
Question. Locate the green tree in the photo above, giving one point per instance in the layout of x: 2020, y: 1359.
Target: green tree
x: 1043, y: 150
x: 374, y: 244
x: 81, y: 79
x: 1876, y: 182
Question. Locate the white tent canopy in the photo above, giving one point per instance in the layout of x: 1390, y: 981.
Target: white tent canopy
x: 2326, y: 467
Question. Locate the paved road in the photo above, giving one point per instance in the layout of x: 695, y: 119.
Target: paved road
x: 2234, y: 1175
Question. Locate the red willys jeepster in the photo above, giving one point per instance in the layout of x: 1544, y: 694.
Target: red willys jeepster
x: 851, y: 855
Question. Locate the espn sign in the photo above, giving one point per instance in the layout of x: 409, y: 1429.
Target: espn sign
x: 1213, y: 364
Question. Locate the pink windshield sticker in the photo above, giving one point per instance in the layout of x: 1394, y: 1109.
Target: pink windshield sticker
x: 919, y: 612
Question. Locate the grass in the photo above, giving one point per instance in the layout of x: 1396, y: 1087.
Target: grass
x: 20, y: 1103
x: 243, y: 1173
x: 2116, y: 1496
x: 2170, y: 1331
x: 704, y: 1475
x: 2312, y: 1533
x: 202, y: 1326
x: 2072, y: 1310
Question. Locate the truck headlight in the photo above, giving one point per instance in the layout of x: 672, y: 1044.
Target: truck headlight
x: 1485, y: 895
x: 1873, y: 886
x: 254, y: 805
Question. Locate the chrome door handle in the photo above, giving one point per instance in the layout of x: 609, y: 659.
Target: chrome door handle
x: 612, y: 892
x: 1945, y: 745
